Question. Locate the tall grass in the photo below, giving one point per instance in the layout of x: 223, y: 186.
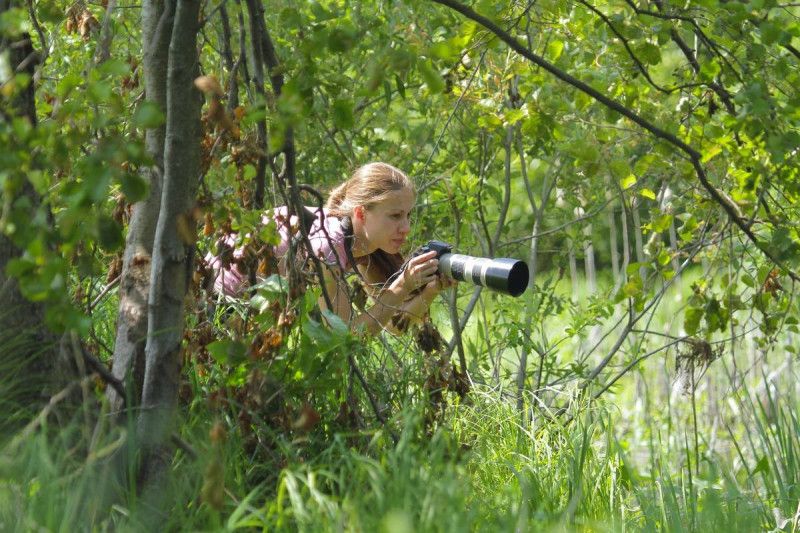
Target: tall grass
x: 476, y: 470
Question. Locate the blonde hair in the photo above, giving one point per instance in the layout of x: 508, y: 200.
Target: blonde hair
x: 368, y: 185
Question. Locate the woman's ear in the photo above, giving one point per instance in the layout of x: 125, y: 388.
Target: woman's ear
x: 358, y: 212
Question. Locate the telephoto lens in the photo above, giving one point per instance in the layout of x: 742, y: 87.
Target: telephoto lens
x: 503, y: 274
x: 506, y: 275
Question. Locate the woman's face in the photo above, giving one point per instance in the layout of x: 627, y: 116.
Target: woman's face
x: 387, y: 223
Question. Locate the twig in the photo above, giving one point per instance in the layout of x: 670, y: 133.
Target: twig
x: 373, y: 403
x: 103, y: 51
x: 636, y: 362
x: 100, y: 369
x: 183, y: 445
x: 45, y: 412
x: 103, y: 292
x: 39, y: 31
x: 590, y: 214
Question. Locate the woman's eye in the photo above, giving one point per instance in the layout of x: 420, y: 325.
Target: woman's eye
x: 397, y: 216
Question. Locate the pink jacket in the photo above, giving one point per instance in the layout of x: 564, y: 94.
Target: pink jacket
x: 326, y: 236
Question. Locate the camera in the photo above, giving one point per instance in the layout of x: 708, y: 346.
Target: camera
x: 503, y: 274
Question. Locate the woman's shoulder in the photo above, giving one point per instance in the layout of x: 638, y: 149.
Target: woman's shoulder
x: 314, y: 216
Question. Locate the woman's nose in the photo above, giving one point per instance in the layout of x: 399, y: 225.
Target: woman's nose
x: 405, y: 226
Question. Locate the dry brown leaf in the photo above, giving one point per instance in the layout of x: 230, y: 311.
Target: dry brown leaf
x: 308, y: 418
x: 208, y: 85
x: 208, y: 227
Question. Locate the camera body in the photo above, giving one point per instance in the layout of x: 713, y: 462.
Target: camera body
x: 440, y: 247
x: 506, y: 275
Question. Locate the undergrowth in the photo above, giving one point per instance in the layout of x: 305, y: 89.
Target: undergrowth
x: 474, y: 469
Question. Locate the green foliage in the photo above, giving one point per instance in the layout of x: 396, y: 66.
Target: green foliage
x: 419, y: 86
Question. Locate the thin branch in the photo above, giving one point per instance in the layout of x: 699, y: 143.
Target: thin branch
x: 103, y: 50
x: 627, y: 46
x: 795, y: 52
x: 101, y: 369
x: 103, y: 292
x: 591, y: 214
x: 634, y: 319
x: 39, y: 32
x: 373, y: 403
x: 635, y: 362
x: 45, y: 412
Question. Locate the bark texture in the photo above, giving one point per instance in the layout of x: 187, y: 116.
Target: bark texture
x: 173, y: 247
x: 128, y: 361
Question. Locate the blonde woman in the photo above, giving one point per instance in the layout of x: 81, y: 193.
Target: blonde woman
x: 362, y: 229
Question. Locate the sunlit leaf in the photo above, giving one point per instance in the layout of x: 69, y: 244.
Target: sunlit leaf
x: 148, y: 115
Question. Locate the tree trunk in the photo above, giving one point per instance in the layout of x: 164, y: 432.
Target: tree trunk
x: 128, y: 360
x: 173, y: 247
x: 588, y: 252
x: 637, y: 234
x: 612, y: 240
x: 626, y: 246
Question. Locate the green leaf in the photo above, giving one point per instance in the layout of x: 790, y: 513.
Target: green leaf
x: 431, y: 76
x: 336, y: 323
x: 783, y: 245
x: 770, y: 32
x: 317, y: 333
x: 664, y: 257
x: 109, y: 233
x: 762, y: 466
x: 691, y: 320
x: 513, y: 116
x: 710, y: 70
x: 343, y: 114
x: 342, y: 39
x: 648, y: 53
x: 133, y: 186
x: 632, y: 288
x: 647, y: 193
x: 711, y: 153
x: 67, y: 84
x: 14, y: 21
x: 716, y: 315
x: 554, y: 49
x: 401, y: 87
x: 148, y: 115
x: 227, y: 352
x: 619, y: 167
x: 272, y: 287
x: 662, y: 223
x: 444, y: 50
x: 290, y: 17
x: 627, y: 182
x: 113, y: 67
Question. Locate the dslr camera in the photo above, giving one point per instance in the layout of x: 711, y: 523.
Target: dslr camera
x: 502, y: 274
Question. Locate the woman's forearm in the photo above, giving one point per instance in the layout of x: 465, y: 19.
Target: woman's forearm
x: 379, y: 316
x: 384, y: 314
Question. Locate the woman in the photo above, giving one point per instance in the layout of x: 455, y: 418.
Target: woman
x: 364, y: 225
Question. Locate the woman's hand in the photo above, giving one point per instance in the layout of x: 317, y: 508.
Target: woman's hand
x: 436, y: 286
x: 421, y: 271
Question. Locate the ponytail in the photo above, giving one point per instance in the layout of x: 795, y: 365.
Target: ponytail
x: 336, y: 199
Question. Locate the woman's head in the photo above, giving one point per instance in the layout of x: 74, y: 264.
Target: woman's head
x: 378, y: 197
